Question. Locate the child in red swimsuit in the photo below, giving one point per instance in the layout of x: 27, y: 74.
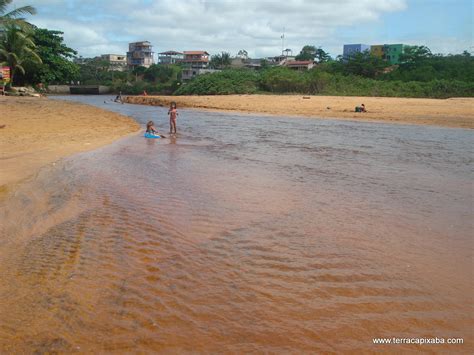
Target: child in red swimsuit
x: 173, y: 115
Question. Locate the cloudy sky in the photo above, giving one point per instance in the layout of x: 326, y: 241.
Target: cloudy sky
x: 95, y: 27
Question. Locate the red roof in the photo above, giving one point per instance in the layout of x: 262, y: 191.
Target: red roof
x: 195, y: 52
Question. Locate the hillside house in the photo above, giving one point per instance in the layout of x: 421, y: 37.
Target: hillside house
x: 280, y: 59
x: 195, y: 63
x: 196, y: 59
x: 117, y: 62
x: 140, y: 54
x: 249, y: 63
x: 299, y: 64
x: 170, y: 57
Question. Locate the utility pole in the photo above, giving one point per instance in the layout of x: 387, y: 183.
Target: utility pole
x: 283, y: 41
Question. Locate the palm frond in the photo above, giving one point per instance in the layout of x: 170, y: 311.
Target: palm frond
x: 3, y: 5
x: 18, y: 66
x: 24, y: 10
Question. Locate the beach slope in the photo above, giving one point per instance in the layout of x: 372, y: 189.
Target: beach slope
x: 39, y: 131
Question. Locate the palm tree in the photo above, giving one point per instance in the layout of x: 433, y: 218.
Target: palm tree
x: 225, y: 59
x: 13, y: 16
x: 220, y: 61
x: 16, y: 49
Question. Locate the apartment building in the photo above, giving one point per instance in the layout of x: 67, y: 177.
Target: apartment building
x: 170, y: 57
x: 117, y: 62
x: 195, y: 63
x: 140, y: 54
x: 350, y: 50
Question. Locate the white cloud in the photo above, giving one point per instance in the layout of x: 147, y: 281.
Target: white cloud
x: 95, y: 27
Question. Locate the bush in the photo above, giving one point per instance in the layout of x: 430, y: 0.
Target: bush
x: 222, y: 83
x: 318, y: 82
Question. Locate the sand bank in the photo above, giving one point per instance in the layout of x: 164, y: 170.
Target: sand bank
x: 39, y: 131
x: 455, y: 112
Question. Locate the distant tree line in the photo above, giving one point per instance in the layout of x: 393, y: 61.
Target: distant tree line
x: 419, y: 74
x: 34, y: 55
x: 37, y: 55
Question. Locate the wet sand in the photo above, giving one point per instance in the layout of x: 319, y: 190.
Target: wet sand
x: 454, y: 112
x: 236, y: 237
x: 39, y: 131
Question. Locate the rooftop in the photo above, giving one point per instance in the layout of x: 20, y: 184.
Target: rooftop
x: 299, y: 62
x: 195, y: 52
x: 170, y: 53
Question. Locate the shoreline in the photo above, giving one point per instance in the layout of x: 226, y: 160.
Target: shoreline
x: 40, y: 131
x: 452, y: 113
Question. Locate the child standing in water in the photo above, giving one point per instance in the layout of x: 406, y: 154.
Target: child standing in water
x: 173, y: 115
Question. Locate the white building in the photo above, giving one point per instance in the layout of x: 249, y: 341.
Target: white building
x: 117, y: 61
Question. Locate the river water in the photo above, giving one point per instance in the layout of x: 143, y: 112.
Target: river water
x: 243, y: 234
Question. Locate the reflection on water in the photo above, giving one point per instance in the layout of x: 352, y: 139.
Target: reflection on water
x: 244, y: 234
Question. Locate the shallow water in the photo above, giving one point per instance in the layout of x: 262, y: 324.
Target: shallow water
x: 243, y: 234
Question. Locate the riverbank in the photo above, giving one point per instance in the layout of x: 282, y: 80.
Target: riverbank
x: 39, y: 131
x: 454, y: 112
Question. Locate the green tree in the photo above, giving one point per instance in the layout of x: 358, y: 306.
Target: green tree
x: 264, y: 64
x: 307, y: 53
x: 243, y: 54
x: 282, y: 80
x: 225, y: 57
x: 413, y: 55
x: 365, y: 64
x: 97, y: 71
x: 220, y: 61
x: 321, y: 56
x: 216, y: 61
x: 13, y: 17
x: 419, y: 64
x: 162, y: 73
x: 56, y: 66
x: 17, y: 49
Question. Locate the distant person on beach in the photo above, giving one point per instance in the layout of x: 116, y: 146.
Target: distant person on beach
x: 173, y: 115
x: 119, y: 97
x: 150, y: 128
x: 40, y: 89
x: 360, y: 108
x: 145, y: 93
x: 2, y: 86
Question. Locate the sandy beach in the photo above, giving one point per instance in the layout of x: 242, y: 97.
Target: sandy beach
x: 39, y: 131
x: 454, y: 112
x: 208, y: 240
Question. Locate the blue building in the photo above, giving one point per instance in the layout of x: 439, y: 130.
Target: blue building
x: 352, y: 49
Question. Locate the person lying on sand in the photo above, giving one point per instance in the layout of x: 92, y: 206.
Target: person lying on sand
x: 360, y: 108
x: 150, y: 128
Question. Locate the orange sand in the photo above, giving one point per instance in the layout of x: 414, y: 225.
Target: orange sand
x: 39, y: 131
x: 455, y: 112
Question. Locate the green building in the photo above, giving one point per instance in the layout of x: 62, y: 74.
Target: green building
x: 392, y: 52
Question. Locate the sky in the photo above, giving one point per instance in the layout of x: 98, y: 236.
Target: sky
x: 94, y: 27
